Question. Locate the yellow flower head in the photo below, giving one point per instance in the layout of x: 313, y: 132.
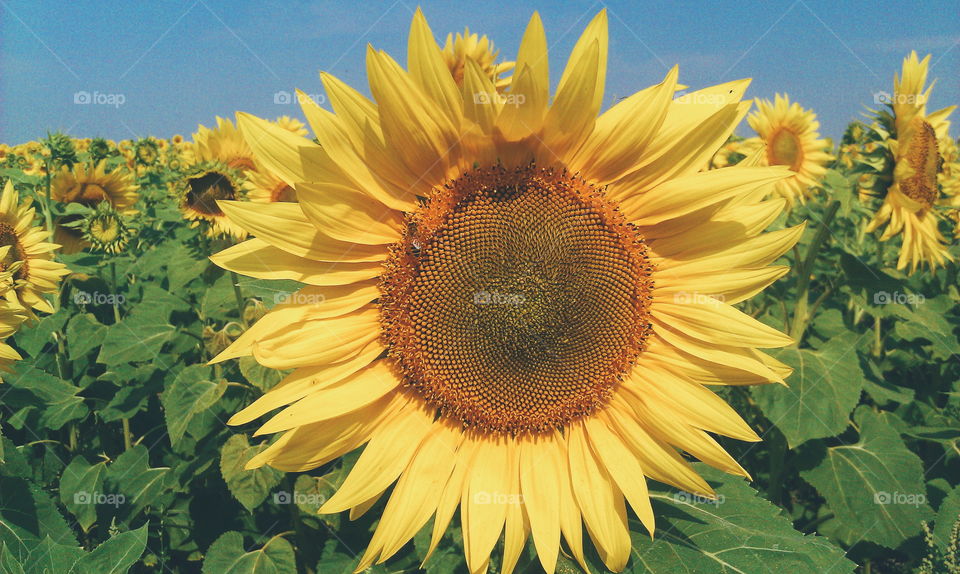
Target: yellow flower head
x: 89, y: 186
x: 26, y: 255
x: 478, y: 49
x: 790, y: 135
x: 916, y: 145
x: 223, y: 144
x: 514, y: 305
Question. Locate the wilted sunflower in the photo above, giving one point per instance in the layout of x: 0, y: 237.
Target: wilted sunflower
x: 202, y: 187
x: 790, y: 135
x: 89, y: 186
x: 912, y: 139
x: 478, y: 49
x: 515, y: 306
x: 26, y: 256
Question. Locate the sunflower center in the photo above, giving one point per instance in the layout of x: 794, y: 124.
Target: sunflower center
x: 517, y: 299
x: 785, y: 149
x: 8, y: 236
x: 924, y: 159
x: 206, y: 189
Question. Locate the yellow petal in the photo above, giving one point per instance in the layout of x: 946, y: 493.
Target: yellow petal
x: 319, y: 341
x: 389, y: 451
x: 428, y: 69
x: 718, y: 323
x: 344, y: 213
x: 600, y: 500
x: 483, y: 508
x: 284, y: 226
x: 623, y: 467
x: 257, y: 258
x: 350, y: 394
x: 276, y: 148
x: 541, y: 462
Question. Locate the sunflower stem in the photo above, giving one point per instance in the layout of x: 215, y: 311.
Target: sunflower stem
x: 113, y: 284
x: 47, y: 212
x: 801, y: 314
x: 126, y: 434
x: 239, y: 296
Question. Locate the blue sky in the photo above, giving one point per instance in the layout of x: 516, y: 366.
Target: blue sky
x: 160, y: 68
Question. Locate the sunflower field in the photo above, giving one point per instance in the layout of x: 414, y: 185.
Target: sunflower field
x: 465, y: 324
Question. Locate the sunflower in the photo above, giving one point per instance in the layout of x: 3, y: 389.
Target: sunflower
x: 522, y: 303
x: 12, y: 316
x: 790, y: 135
x: 267, y: 187
x: 912, y: 139
x: 105, y: 229
x: 292, y: 125
x: 200, y: 190
x: 89, y: 186
x: 478, y: 49
x: 26, y: 256
x: 146, y: 152
x: 223, y: 144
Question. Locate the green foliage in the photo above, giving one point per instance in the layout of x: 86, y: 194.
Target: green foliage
x: 115, y: 455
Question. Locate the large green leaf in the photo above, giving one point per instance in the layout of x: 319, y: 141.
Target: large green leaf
x: 875, y: 487
x: 739, y: 532
x: 116, y: 555
x: 227, y: 556
x: 822, y: 391
x: 188, y: 397
x: 249, y: 487
x: 27, y: 516
x: 81, y: 485
x: 141, y: 484
x: 137, y: 337
x: 58, y: 397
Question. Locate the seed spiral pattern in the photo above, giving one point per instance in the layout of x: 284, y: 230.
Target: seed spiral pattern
x: 924, y: 159
x: 516, y: 299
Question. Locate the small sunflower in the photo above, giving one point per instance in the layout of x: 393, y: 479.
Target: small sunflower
x: 790, y: 135
x: 506, y: 324
x: 222, y: 144
x: 912, y: 139
x: 203, y: 187
x: 146, y: 152
x: 106, y: 230
x: 478, y: 49
x: 89, y: 186
x: 292, y: 125
x: 26, y: 255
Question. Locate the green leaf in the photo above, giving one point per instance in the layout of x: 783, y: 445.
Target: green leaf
x: 84, y: 333
x: 80, y: 484
x: 256, y: 374
x: 227, y: 556
x: 822, y: 391
x: 48, y: 557
x: 60, y: 400
x: 738, y: 532
x: 137, y: 337
x: 947, y: 515
x: 116, y: 555
x: 33, y: 339
x: 9, y: 564
x: 188, y: 397
x: 27, y: 515
x: 249, y: 487
x: 142, y: 485
x: 875, y: 487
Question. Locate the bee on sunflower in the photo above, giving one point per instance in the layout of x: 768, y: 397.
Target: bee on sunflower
x: 503, y: 326
x: 907, y: 162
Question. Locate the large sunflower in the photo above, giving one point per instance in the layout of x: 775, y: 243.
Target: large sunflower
x: 199, y: 190
x: 523, y: 303
x: 914, y: 139
x: 790, y: 135
x: 27, y: 255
